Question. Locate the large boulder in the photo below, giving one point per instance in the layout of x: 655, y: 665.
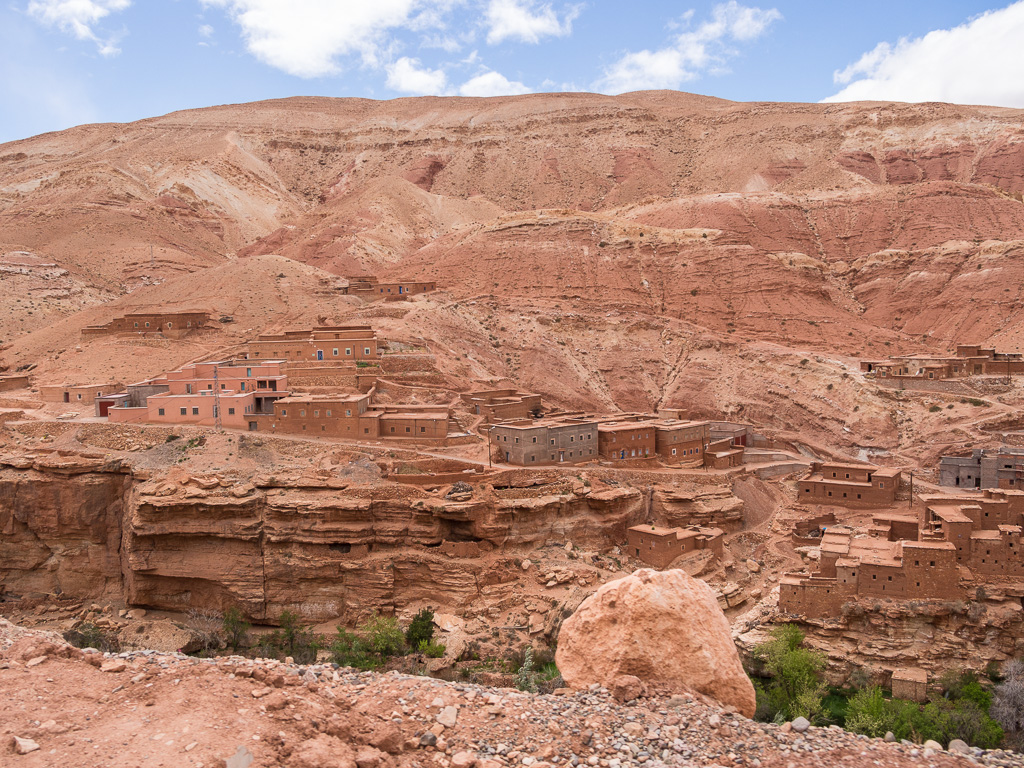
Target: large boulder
x: 662, y: 627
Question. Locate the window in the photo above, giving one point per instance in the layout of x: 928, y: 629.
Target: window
x: 302, y: 412
x: 392, y: 429
x: 335, y: 351
x: 231, y: 411
x: 535, y: 439
x: 248, y: 371
x: 366, y: 350
x: 517, y: 439
x: 348, y: 350
x: 407, y: 429
x: 136, y: 325
x: 79, y: 395
x: 424, y: 429
x: 160, y: 411
x: 195, y: 411
x: 184, y: 411
x: 147, y: 325
x: 316, y: 413
x: 284, y: 411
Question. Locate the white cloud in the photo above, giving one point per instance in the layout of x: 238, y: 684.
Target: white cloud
x: 692, y: 52
x: 492, y: 84
x: 407, y: 76
x: 307, y: 37
x: 206, y: 31
x: 79, y: 18
x: 525, y: 21
x: 978, y: 62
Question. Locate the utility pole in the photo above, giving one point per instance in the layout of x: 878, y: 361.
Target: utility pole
x: 216, y: 398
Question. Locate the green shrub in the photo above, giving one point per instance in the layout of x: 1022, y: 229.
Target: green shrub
x: 294, y: 639
x: 420, y: 629
x: 350, y: 650
x: 935, y: 409
x: 88, y: 635
x: 796, y: 688
x: 526, y: 678
x: 383, y: 635
x: 235, y: 628
x: 430, y: 649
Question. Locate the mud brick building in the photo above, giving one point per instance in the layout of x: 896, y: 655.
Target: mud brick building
x: 339, y: 345
x: 355, y: 417
x: 368, y: 288
x: 172, y: 325
x: 531, y: 443
x: 976, y: 537
x: 682, y: 442
x: 910, y: 684
x: 231, y: 391
x: 1002, y: 468
x: 968, y: 360
x: 76, y: 394
x: 503, y: 404
x: 661, y: 546
x: 849, y: 484
x: 622, y: 441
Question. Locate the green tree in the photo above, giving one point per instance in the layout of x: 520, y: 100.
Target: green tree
x: 295, y: 639
x: 236, y: 628
x: 384, y: 636
x: 796, y: 688
x: 420, y: 629
x: 350, y: 650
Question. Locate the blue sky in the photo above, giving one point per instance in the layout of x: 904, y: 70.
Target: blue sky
x: 66, y: 62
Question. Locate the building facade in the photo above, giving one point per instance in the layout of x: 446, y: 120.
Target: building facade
x: 850, y: 484
x: 532, y: 443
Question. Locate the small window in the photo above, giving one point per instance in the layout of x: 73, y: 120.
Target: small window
x: 302, y: 412
x: 195, y: 411
x: 316, y: 413
x: 348, y: 411
x: 424, y: 429
x: 160, y: 411
x: 231, y: 411
x: 184, y: 411
x: 335, y: 351
x: 284, y: 411
x: 366, y: 350
x: 408, y: 429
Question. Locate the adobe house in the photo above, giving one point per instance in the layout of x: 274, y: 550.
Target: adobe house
x: 967, y: 360
x: 849, y: 484
x: 982, y: 534
x: 531, y: 443
x: 503, y: 404
x: 1002, y: 468
x: 723, y: 454
x: 341, y: 344
x: 661, y: 546
x: 911, y: 684
x: 170, y: 324
x: 368, y: 288
x: 681, y: 442
x: 75, y: 394
x: 12, y: 381
x: 232, y: 392
x: 354, y: 416
x: 623, y: 441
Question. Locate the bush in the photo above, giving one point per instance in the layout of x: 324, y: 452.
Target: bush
x: 431, y: 650
x: 383, y: 635
x: 235, y: 628
x: 88, y: 635
x: 934, y: 409
x: 796, y: 688
x: 294, y: 639
x: 526, y: 678
x: 420, y: 629
x: 205, y: 626
x: 870, y: 713
x: 350, y: 650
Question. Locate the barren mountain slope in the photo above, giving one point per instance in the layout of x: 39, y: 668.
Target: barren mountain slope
x: 652, y: 249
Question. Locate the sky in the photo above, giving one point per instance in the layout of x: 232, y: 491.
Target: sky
x: 68, y: 62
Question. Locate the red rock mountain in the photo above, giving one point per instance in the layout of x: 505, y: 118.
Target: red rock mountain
x: 651, y: 249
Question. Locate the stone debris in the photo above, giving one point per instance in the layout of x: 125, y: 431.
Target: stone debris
x: 24, y: 746
x: 324, y: 715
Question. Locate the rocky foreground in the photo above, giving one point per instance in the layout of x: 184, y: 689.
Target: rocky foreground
x: 63, y: 706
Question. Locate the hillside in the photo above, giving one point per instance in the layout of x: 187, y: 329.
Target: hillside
x: 652, y: 249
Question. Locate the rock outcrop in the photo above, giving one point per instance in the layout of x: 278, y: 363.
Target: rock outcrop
x: 664, y: 628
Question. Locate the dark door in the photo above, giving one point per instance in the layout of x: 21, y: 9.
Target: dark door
x: 67, y: 397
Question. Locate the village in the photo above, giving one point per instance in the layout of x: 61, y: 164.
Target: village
x: 863, y: 531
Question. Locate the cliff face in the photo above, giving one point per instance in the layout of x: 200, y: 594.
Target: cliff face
x: 880, y: 637
x: 273, y: 544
